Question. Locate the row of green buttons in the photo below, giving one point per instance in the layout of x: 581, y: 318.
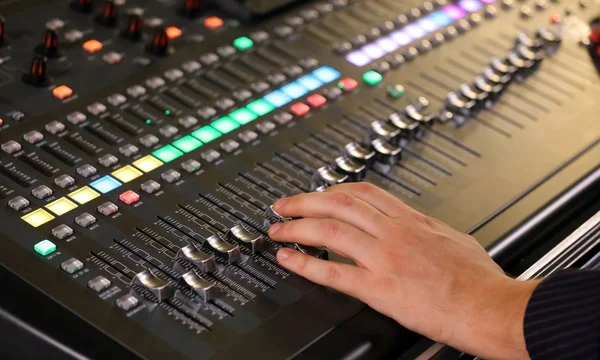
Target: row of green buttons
x: 217, y: 128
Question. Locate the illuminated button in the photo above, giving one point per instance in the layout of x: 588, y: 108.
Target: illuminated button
x: 213, y: 22
x: 348, y: 84
x: 71, y: 266
x: 83, y: 195
x: 187, y: 144
x: 372, y: 78
x: 260, y: 107
x: 108, y: 208
x: 316, y: 100
x: 62, y: 92
x: 61, y: 232
x: 150, y: 187
x: 173, y: 32
x: 310, y: 82
x: 278, y: 98
x: 61, y: 206
x: 105, y: 184
x: 147, y: 163
x: 225, y: 125
x: 326, y: 74
x: 294, y: 90
x: 300, y: 109
x: 18, y: 203
x: 167, y: 154
x: 127, y: 173
x: 206, y: 134
x: 92, y: 46
x: 85, y: 220
x: 38, y: 217
x: 243, y: 116
x: 45, y: 247
x: 243, y: 43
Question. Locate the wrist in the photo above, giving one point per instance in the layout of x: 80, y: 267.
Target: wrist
x: 494, y: 329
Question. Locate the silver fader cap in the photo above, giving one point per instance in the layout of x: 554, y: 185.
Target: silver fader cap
x: 206, y: 289
x: 204, y: 262
x: 254, y: 242
x: 157, y: 286
x: 224, y: 249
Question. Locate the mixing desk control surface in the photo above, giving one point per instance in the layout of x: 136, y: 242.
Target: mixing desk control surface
x: 143, y: 143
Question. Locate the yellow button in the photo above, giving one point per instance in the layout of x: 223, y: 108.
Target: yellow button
x: 147, y: 163
x: 38, y: 217
x: 83, y: 195
x: 127, y: 174
x: 61, y: 206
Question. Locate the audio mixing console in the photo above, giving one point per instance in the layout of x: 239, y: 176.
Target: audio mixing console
x: 143, y: 142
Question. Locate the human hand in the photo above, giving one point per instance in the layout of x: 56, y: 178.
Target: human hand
x: 430, y: 278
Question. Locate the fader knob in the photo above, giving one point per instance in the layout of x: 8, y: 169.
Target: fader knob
x: 355, y: 171
x: 134, y: 28
x: 49, y: 46
x: 160, y: 43
x: 84, y: 6
x: 360, y: 154
x: 326, y: 176
x: 109, y: 15
x: 386, y: 153
x: 38, y: 73
x: 191, y: 8
x: 3, y: 37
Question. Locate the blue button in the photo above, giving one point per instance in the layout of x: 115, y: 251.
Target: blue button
x: 294, y: 90
x: 326, y: 74
x: 440, y: 18
x: 277, y: 98
x: 310, y: 82
x: 105, y: 184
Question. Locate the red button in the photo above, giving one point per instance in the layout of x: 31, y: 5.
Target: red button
x: 300, y: 109
x: 213, y: 22
x: 316, y: 100
x: 555, y: 19
x: 129, y: 197
x: 348, y: 84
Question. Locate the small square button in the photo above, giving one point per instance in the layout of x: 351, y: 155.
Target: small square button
x: 129, y: 197
x: 62, y: 92
x: 45, y: 247
x: 316, y: 100
x: 92, y: 46
x: 300, y: 109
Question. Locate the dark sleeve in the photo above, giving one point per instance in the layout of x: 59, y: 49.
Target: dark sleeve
x: 562, y: 320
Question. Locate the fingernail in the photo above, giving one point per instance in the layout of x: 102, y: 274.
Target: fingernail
x: 283, y: 254
x: 273, y: 229
x: 279, y: 203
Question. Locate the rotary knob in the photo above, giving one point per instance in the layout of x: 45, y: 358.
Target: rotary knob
x: 160, y: 43
x: 49, y: 46
x: 134, y: 28
x: 83, y: 6
x: 191, y: 8
x: 109, y: 15
x: 38, y: 72
x: 3, y: 37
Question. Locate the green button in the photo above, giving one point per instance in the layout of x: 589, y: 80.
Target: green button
x: 260, y: 107
x: 167, y: 153
x: 395, y: 91
x: 206, y: 134
x: 187, y: 144
x: 243, y: 43
x: 45, y: 247
x: 372, y: 78
x: 243, y: 116
x: 225, y: 125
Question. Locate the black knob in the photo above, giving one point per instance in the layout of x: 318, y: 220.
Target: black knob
x: 38, y: 72
x: 108, y: 16
x: 49, y: 46
x: 135, y: 25
x: 191, y: 8
x: 3, y: 37
x: 84, y: 6
x: 160, y: 43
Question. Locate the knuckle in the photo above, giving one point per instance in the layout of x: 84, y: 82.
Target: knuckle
x: 364, y: 187
x: 422, y: 219
x: 332, y: 274
x: 302, y: 264
x: 330, y: 229
x: 342, y: 200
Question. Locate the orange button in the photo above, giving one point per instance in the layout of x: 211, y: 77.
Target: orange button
x: 173, y: 32
x: 213, y: 22
x: 62, y: 92
x: 92, y: 46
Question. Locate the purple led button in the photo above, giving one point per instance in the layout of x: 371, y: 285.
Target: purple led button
x: 470, y: 5
x: 373, y: 51
x: 358, y: 58
x: 454, y: 12
x: 387, y: 44
x: 414, y: 31
x: 400, y: 37
x: 488, y: 1
x: 428, y: 25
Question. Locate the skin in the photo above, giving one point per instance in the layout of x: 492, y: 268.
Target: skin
x: 430, y: 278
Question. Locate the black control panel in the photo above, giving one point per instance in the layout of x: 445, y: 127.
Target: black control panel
x: 143, y: 143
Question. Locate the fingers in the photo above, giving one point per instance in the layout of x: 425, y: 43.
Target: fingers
x: 336, y: 235
x: 342, y: 277
x: 340, y: 206
x: 380, y: 199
